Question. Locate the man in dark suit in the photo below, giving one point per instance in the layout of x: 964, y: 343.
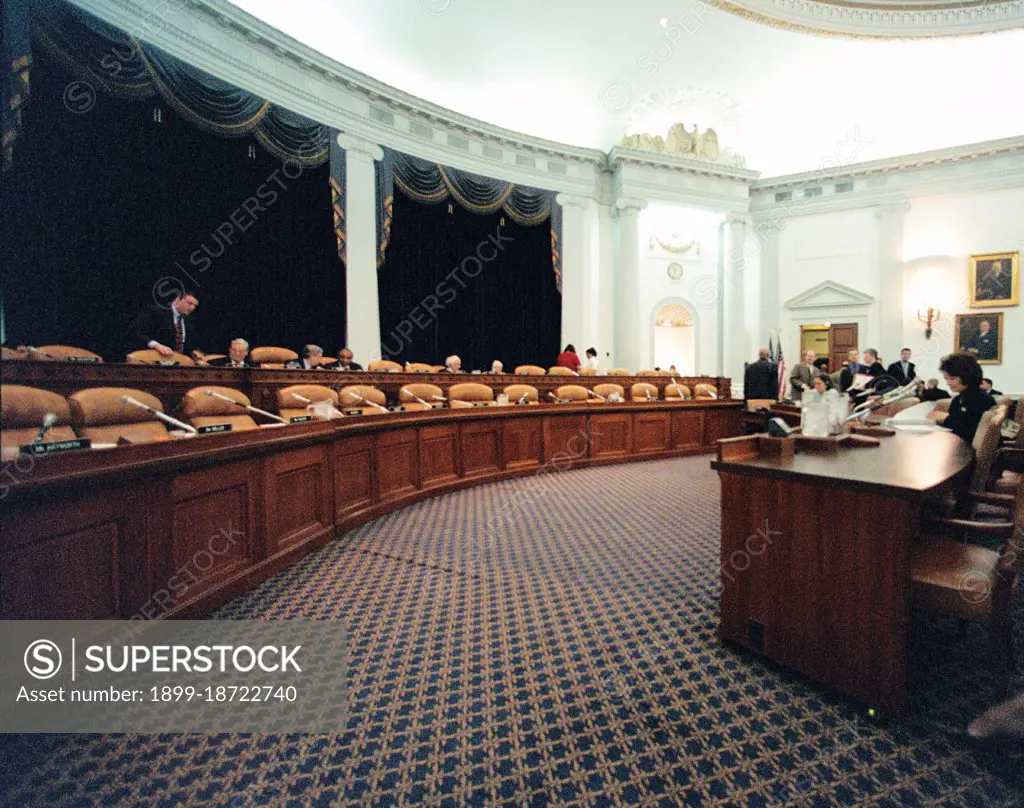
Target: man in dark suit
x: 903, y: 371
x: 984, y: 344
x: 986, y: 385
x: 238, y: 356
x: 164, y: 329
x: 869, y: 367
x: 345, y: 361
x: 761, y: 378
x: 932, y: 391
x: 312, y: 356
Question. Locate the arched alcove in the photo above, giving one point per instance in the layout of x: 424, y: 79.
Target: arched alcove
x: 675, y: 335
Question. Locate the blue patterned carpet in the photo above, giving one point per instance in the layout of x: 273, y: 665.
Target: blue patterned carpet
x: 549, y: 641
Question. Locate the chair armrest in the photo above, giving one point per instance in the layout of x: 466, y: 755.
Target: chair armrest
x: 990, y: 497
x: 990, y: 528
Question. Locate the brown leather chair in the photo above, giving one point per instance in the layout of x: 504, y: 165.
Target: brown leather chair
x: 643, y: 391
x: 12, y: 354
x: 271, y: 357
x: 150, y: 357
x: 589, y: 372
x: 384, y: 366
x: 198, y: 409
x: 515, y: 393
x: 289, y: 407
x: 530, y: 370
x: 349, y: 399
x: 328, y: 362
x: 620, y: 372
x: 572, y: 392
x: 609, y: 388
x: 419, y: 367
x: 410, y: 392
x: 210, y: 357
x: 705, y: 391
x: 648, y: 373
x: 470, y: 394
x: 63, y: 352
x: 99, y: 413
x: 968, y: 581
x: 558, y: 370
x: 676, y: 392
x: 22, y: 410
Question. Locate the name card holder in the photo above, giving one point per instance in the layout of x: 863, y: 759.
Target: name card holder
x: 437, y: 406
x: 300, y: 419
x: 55, y: 446
x: 81, y: 359
x: 351, y: 412
x: 212, y: 429
x: 481, y: 404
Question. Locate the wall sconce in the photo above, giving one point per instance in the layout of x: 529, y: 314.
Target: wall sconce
x: 928, y: 316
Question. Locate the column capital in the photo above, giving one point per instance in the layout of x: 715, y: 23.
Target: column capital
x: 626, y: 205
x: 353, y: 144
x: 574, y: 201
x: 733, y: 219
x: 888, y: 210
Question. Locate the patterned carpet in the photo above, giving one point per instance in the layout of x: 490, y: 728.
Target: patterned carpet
x: 549, y: 641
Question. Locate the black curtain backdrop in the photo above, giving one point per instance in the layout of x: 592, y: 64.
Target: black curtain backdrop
x: 463, y: 283
x: 108, y: 211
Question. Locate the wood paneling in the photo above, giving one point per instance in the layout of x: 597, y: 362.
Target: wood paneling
x: 611, y: 435
x: 481, y: 448
x: 300, y: 498
x: 397, y: 463
x: 522, y: 441
x: 438, y: 456
x: 354, y: 475
x: 688, y: 429
x: 653, y: 432
x: 719, y: 424
x: 565, y: 438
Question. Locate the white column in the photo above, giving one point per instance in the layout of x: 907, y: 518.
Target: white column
x: 890, y: 276
x: 579, y: 275
x: 736, y: 333
x: 604, y: 340
x: 362, y: 306
x: 628, y: 318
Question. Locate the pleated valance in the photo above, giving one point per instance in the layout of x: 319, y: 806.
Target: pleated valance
x: 433, y: 183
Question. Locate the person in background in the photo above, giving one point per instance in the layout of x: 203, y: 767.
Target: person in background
x: 164, y: 330
x: 963, y: 377
x: 803, y: 375
x: 345, y: 361
x: 569, y: 359
x: 238, y: 356
x: 903, y: 371
x: 761, y: 378
x: 932, y: 391
x: 453, y: 364
x: 819, y: 386
x: 312, y: 355
x: 590, y: 361
x: 986, y: 385
x: 497, y: 366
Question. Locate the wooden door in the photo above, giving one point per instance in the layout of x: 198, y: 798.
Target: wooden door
x: 841, y: 338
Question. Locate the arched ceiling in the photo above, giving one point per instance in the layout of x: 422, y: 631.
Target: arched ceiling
x: 587, y: 73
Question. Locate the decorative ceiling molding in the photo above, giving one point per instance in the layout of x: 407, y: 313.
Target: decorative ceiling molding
x: 829, y: 294
x: 881, y: 19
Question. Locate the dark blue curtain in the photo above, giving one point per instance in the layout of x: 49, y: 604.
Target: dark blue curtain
x: 478, y: 285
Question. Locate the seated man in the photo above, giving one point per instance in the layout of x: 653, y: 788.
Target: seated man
x: 932, y: 391
x: 986, y: 385
x: 453, y: 364
x: 497, y: 366
x: 312, y: 355
x: 238, y: 356
x: 345, y: 361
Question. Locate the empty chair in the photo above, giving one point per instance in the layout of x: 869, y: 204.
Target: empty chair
x: 289, y: 405
x: 572, y: 392
x: 362, y: 397
x: 384, y: 366
x: 272, y: 357
x: 151, y: 357
x: 198, y: 409
x: 22, y: 411
x: 676, y: 392
x: 648, y: 373
x: 558, y: 370
x: 521, y: 393
x: 419, y: 367
x: 425, y: 392
x: 588, y: 371
x: 643, y: 391
x: 63, y: 352
x: 620, y: 372
x: 99, y: 414
x: 705, y: 391
x: 530, y: 370
x: 607, y: 390
x: 470, y: 394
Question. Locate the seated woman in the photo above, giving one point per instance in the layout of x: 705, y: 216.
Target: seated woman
x: 963, y: 377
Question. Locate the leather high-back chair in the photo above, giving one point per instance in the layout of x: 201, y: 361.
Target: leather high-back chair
x: 384, y: 366
x: 530, y: 370
x: 328, y: 362
x: 620, y: 372
x: 64, y: 352
x: 12, y: 354
x: 588, y: 372
x: 198, y: 409
x: 572, y: 392
x: 470, y: 394
x: 410, y: 392
x: 648, y: 373
x: 706, y: 391
x: 349, y: 399
x: 22, y: 410
x: 271, y: 357
x: 418, y: 367
x: 210, y: 357
x: 558, y: 370
x: 151, y: 357
x: 99, y: 413
x: 643, y: 391
x: 288, y: 406
x: 986, y: 446
x: 676, y: 392
x: 609, y: 388
x: 516, y: 392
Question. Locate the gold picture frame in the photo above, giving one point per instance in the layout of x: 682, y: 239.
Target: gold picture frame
x: 968, y: 337
x: 990, y: 284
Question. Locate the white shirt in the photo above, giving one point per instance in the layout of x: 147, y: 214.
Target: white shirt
x: 591, y: 362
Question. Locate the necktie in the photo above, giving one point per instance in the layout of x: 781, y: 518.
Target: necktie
x: 179, y: 333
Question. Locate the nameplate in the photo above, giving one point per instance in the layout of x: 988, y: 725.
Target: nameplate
x: 395, y: 409
x: 211, y: 429
x: 437, y: 406
x: 564, y: 401
x: 522, y: 403
x: 481, y: 404
x: 351, y: 412
x: 300, y: 419
x: 56, y: 446
x: 81, y: 359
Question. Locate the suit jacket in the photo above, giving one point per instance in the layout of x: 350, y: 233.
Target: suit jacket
x: 157, y: 323
x: 801, y: 373
x: 761, y: 380
x: 352, y: 366
x: 847, y: 373
x: 896, y: 371
x: 984, y: 346
x: 935, y: 394
x: 225, y: 362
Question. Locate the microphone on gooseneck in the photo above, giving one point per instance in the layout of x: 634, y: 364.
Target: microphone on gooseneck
x: 523, y: 399
x: 48, y: 421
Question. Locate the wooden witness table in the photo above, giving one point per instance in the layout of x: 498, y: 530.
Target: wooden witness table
x: 816, y: 554
x: 176, y: 528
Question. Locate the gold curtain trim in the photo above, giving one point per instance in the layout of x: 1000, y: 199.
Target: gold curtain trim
x: 435, y: 197
x: 527, y: 221
x: 309, y: 160
x: 123, y: 89
x: 469, y: 205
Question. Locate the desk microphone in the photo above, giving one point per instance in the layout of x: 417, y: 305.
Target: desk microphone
x: 552, y: 395
x: 420, y: 400
x: 647, y: 392
x: 162, y: 416
x: 524, y: 399
x: 358, y: 397
x: 48, y: 421
x: 597, y: 395
x: 676, y: 385
x: 310, y: 403
x: 249, y: 407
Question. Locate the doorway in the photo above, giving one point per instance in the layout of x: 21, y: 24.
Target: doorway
x: 675, y: 338
x: 830, y: 341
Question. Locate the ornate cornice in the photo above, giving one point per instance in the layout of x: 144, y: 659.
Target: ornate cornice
x: 881, y: 19
x: 676, y: 164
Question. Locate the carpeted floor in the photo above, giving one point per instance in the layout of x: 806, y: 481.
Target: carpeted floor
x: 549, y: 641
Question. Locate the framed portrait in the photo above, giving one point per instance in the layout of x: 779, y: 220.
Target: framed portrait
x: 981, y: 335
x: 994, y: 280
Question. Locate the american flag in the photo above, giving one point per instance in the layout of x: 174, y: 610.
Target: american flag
x: 782, y: 371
